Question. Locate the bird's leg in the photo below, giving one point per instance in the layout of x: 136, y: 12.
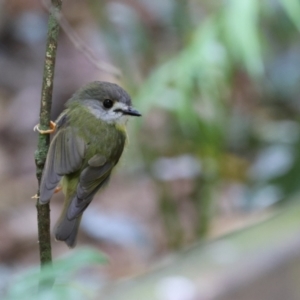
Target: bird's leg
x: 51, y: 130
x: 57, y: 189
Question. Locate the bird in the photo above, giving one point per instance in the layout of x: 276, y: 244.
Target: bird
x: 90, y: 136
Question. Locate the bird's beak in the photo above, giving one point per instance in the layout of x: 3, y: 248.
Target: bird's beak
x: 131, y: 111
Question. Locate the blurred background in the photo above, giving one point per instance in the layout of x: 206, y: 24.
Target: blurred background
x: 217, y: 148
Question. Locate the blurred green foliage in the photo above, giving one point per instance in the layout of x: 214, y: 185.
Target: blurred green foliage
x: 222, y: 74
x: 63, y: 272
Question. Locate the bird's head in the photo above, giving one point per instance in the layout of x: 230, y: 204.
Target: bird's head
x: 106, y: 101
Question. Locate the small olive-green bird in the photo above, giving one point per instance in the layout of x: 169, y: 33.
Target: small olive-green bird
x: 89, y: 140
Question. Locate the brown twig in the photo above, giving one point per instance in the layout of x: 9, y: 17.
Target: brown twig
x: 43, y: 211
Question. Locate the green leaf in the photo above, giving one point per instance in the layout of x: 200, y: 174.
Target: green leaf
x: 240, y: 22
x: 292, y: 8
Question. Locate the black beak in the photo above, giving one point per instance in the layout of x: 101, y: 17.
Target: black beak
x: 131, y: 111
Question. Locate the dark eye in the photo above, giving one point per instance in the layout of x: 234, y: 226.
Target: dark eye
x: 107, y: 103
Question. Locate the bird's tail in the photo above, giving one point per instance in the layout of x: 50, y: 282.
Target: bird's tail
x: 66, y: 229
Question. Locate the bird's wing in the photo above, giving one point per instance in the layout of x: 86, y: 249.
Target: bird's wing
x: 65, y: 156
x: 92, y: 178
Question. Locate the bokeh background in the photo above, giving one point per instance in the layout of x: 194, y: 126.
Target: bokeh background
x: 217, y: 148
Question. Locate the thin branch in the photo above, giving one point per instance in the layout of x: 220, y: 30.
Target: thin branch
x: 43, y: 211
x: 81, y: 46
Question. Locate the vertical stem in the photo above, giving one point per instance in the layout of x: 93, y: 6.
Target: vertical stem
x: 43, y: 211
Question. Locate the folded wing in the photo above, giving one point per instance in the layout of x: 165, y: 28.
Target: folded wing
x: 65, y: 156
x: 92, y: 178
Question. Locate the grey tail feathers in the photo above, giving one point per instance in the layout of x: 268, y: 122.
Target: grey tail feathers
x: 66, y: 230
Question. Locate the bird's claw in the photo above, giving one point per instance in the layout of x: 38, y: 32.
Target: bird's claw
x: 48, y: 131
x: 35, y: 196
x: 57, y: 189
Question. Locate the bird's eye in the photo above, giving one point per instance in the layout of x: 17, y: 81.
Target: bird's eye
x: 107, y: 103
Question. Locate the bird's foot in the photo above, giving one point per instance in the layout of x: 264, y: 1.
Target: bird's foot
x: 58, y: 189
x: 35, y: 196
x: 48, y: 131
